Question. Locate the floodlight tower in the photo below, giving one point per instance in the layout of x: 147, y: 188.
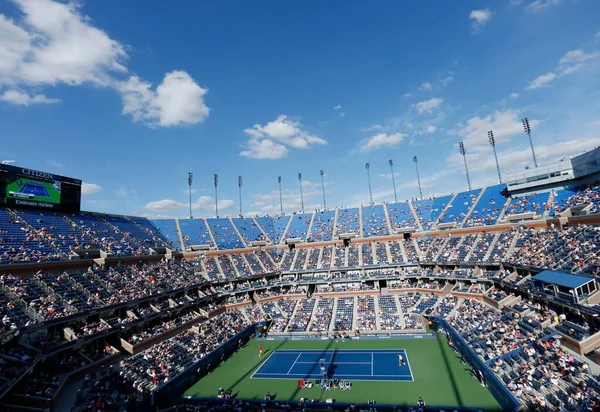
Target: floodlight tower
x: 280, y: 197
x: 301, y: 194
x: 391, y: 162
x: 190, y: 178
x: 216, y: 195
x: 240, y: 190
x: 368, y: 167
x: 493, y: 143
x: 322, y: 173
x: 461, y: 146
x: 418, y: 178
x: 527, y: 128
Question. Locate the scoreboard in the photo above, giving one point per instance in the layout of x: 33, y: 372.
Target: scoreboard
x: 22, y: 187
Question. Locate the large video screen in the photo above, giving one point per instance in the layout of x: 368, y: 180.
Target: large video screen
x: 34, y: 190
x: 21, y: 187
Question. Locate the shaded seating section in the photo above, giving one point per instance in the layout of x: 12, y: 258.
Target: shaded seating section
x: 488, y: 208
x: 322, y: 315
x: 21, y: 244
x: 300, y: 259
x: 367, y: 254
x: 56, y: 230
x: 348, y: 221
x: 195, y: 232
x: 313, y: 258
x: 401, y: 215
x: 155, y: 233
x: 366, y: 316
x: 389, y: 315
x: 322, y: 226
x: 224, y: 234
x: 298, y: 226
x: 381, y: 253
x: 480, y: 249
x: 374, y: 222
x: 344, y: 314
x: 353, y: 255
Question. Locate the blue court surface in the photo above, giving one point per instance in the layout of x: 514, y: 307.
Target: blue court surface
x: 35, y: 189
x: 355, y: 365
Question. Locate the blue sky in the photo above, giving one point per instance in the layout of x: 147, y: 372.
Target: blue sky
x: 130, y: 96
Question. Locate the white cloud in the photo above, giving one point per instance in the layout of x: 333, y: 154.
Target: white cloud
x: 383, y: 140
x: 264, y: 149
x: 342, y: 114
x: 505, y: 124
x: 541, y: 81
x: 372, y: 128
x: 514, y: 96
x: 201, y: 204
x: 480, y: 18
x: 19, y: 98
x: 272, y: 140
x: 430, y: 129
x: 54, y: 43
x: 90, y: 188
x: 428, y: 106
x: 571, y: 62
x: 425, y: 87
x: 188, y: 191
x: 594, y: 123
x: 338, y: 107
x: 541, y: 5
x: 407, y: 94
x: 177, y: 100
x: 389, y: 175
x: 447, y: 78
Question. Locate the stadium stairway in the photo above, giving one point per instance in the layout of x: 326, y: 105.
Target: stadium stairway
x: 267, y: 237
x: 403, y: 249
x: 360, y: 225
x: 237, y: 232
x: 377, y: 312
x: 387, y: 219
x: 439, y: 250
x: 333, y: 313
x: 447, y: 288
x: 492, y: 246
x: 244, y: 314
x: 212, y: 238
x: 320, y: 258
x: 335, y: 220
x: 417, y: 220
x: 512, y: 247
x: 285, y: 231
x: 400, y: 311
x: 468, y: 215
x: 472, y: 247
x: 420, y: 254
x: 443, y: 213
x: 355, y: 314
x: 549, y: 203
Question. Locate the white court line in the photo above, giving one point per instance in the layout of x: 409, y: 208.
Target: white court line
x: 343, y: 363
x: 261, y: 365
x: 372, y: 361
x: 412, y: 378
x: 293, y: 364
x: 342, y: 374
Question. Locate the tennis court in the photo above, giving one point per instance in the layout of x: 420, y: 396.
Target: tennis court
x: 356, y: 365
x: 35, y: 189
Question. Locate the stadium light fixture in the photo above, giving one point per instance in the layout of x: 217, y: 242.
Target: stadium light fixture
x: 322, y: 173
x: 280, y: 197
x: 527, y: 128
x: 415, y: 161
x: 368, y: 167
x: 216, y: 195
x: 391, y: 162
x: 493, y: 143
x: 190, y: 179
x: 301, y: 194
x: 461, y: 147
x: 240, y: 189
